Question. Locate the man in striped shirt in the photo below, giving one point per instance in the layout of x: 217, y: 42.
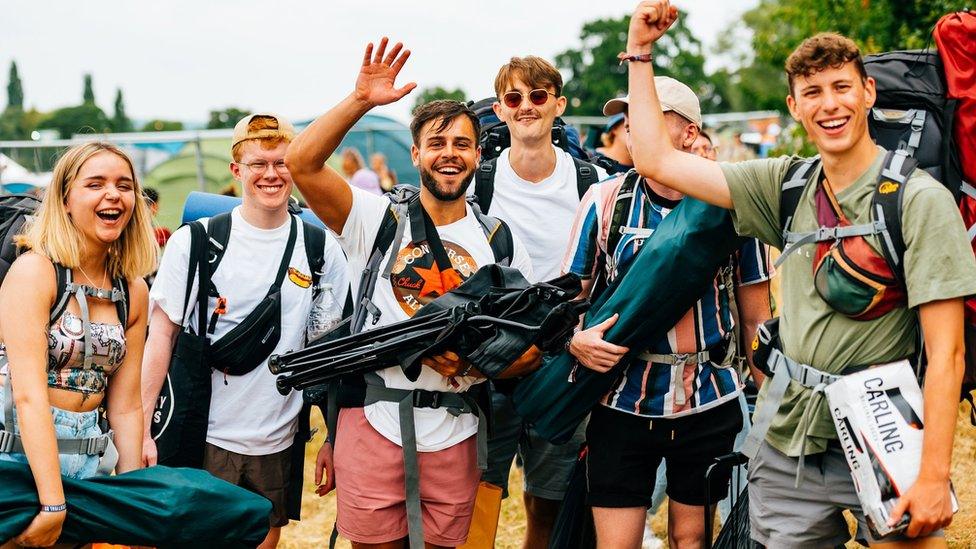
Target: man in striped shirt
x: 677, y: 400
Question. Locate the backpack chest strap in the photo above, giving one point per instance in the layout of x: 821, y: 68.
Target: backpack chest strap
x: 793, y: 241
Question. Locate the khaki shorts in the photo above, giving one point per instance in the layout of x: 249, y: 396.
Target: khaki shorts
x: 263, y: 475
x: 784, y: 517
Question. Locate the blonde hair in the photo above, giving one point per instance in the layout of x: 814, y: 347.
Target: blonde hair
x: 257, y: 124
x: 52, y: 232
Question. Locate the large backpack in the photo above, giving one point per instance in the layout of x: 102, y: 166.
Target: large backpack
x: 913, y: 112
x: 955, y: 34
x: 14, y: 210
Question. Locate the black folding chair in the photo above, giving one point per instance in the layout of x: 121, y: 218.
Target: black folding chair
x: 735, y: 532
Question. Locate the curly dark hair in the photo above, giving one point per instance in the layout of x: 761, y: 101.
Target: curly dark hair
x: 823, y: 51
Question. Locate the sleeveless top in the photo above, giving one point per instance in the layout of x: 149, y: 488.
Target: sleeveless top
x: 66, y: 354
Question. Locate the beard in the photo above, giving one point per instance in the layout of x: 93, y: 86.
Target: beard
x: 441, y: 192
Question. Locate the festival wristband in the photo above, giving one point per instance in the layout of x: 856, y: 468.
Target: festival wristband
x: 54, y: 508
x: 636, y: 57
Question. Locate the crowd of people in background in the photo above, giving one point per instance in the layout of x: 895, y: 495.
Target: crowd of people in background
x: 407, y: 458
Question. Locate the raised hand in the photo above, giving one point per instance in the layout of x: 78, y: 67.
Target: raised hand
x: 650, y: 21
x: 376, y: 84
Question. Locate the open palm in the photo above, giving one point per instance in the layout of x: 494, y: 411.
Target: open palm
x: 377, y: 77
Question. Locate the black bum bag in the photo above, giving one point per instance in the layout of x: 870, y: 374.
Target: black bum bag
x: 251, y: 342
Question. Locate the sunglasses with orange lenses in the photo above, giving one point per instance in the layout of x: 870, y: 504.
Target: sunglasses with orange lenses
x: 537, y: 97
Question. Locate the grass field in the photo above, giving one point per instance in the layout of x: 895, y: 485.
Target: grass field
x: 318, y: 513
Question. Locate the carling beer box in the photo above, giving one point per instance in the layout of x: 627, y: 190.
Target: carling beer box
x: 878, y: 416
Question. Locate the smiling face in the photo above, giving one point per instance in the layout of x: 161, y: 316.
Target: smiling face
x: 832, y: 104
x: 446, y: 157
x: 529, y: 122
x: 268, y: 190
x: 101, y: 199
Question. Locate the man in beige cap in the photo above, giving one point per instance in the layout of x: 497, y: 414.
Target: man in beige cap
x: 677, y: 400
x: 253, y: 435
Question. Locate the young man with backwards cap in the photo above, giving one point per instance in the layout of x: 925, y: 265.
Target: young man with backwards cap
x: 677, y: 400
x: 252, y: 429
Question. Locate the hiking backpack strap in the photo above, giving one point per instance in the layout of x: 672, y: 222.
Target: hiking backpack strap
x: 218, y: 235
x: 886, y: 206
x: 315, y: 250
x: 624, y: 205
x: 391, y: 230
x: 586, y: 175
x: 484, y: 183
x: 499, y: 236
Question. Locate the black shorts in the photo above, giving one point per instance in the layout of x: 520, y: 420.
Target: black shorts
x: 625, y: 451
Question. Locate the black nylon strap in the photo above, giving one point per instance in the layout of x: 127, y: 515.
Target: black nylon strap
x: 484, y: 183
x: 422, y: 229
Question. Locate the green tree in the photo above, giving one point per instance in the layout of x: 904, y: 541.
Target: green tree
x: 778, y: 26
x: 226, y: 118
x: 427, y: 95
x: 88, y: 95
x: 15, y: 89
x: 87, y: 118
x: 162, y: 126
x: 597, y: 76
x: 120, y: 121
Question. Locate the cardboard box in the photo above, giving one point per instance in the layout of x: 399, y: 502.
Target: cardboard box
x: 878, y: 416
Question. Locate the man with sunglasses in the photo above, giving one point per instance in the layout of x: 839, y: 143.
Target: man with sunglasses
x: 821, y: 339
x: 253, y: 436
x: 678, y: 401
x: 535, y: 187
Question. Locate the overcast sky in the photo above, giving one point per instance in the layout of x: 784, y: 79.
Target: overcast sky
x: 178, y: 59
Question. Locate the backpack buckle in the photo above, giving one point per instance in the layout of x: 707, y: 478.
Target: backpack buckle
x: 426, y: 399
x: 7, y: 441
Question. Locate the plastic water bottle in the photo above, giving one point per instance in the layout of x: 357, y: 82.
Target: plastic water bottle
x: 325, y: 314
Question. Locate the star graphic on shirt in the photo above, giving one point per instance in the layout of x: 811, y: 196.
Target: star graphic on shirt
x: 433, y: 283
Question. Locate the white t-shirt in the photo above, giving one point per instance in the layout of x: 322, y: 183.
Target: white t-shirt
x: 540, y: 214
x: 414, y: 281
x: 247, y: 414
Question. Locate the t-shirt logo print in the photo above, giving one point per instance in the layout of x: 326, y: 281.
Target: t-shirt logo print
x: 417, y: 279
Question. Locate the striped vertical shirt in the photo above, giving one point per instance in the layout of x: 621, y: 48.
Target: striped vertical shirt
x: 646, y: 388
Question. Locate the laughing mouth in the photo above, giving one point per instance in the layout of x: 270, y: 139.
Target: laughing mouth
x: 448, y: 170
x: 109, y: 214
x: 834, y: 124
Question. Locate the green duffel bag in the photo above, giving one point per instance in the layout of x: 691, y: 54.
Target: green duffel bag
x: 672, y: 271
x: 159, y: 507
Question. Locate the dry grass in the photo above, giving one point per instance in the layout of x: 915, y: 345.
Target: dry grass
x: 318, y: 513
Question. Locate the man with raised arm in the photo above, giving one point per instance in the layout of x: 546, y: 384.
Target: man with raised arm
x: 373, y: 444
x: 830, y: 95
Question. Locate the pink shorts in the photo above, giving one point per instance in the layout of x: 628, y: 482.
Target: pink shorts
x: 372, y: 495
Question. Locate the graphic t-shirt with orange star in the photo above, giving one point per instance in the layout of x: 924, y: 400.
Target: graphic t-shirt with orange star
x: 414, y: 281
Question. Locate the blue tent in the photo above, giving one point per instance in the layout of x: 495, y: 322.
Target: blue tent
x: 377, y: 133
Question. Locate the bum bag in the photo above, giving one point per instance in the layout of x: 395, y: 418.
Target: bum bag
x: 251, y: 342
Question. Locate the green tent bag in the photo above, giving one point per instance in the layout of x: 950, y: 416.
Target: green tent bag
x: 159, y: 506
x: 672, y: 270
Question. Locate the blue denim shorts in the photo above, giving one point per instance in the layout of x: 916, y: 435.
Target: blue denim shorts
x: 66, y: 425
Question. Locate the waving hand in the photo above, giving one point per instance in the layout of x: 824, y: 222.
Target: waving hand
x: 377, y: 77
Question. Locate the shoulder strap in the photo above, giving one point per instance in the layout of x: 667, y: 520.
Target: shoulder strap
x: 796, y: 179
x: 122, y: 306
x: 886, y: 207
x: 484, y: 183
x: 622, y: 206
x: 586, y: 175
x: 499, y: 236
x: 218, y: 232
x: 61, y: 296
x: 391, y: 229
x: 314, y: 250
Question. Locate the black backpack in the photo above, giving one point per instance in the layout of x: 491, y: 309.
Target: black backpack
x: 484, y: 180
x: 14, y: 211
x: 913, y: 112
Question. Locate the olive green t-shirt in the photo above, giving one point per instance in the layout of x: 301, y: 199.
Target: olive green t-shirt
x: 939, y: 264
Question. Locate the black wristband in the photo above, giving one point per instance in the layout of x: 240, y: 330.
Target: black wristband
x: 54, y: 508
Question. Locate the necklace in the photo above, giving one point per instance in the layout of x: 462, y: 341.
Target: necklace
x: 92, y: 280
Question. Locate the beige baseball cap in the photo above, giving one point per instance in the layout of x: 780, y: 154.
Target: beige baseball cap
x: 674, y: 96
x: 284, y: 129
